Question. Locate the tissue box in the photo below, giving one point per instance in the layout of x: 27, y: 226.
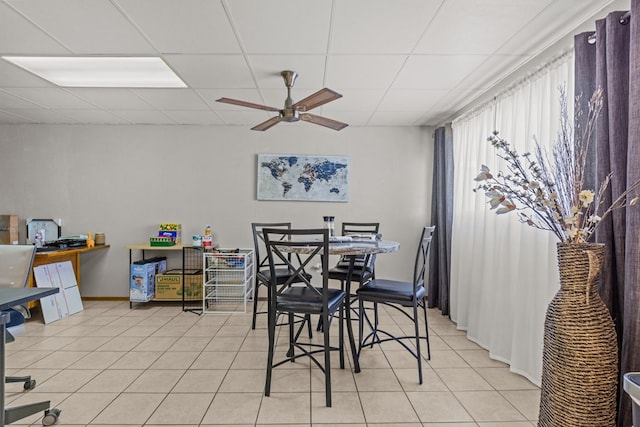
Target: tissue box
x: 171, y: 230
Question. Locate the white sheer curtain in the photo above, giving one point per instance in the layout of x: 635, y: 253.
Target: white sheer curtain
x: 504, y: 273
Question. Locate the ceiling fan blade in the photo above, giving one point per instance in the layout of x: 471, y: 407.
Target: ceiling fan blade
x: 247, y: 104
x: 266, y: 125
x: 317, y: 99
x: 323, y: 121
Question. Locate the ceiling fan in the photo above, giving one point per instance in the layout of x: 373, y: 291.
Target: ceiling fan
x: 292, y: 112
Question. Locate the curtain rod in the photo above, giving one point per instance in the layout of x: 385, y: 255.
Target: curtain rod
x: 624, y: 20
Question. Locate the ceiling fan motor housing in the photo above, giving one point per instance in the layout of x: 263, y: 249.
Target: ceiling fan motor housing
x: 289, y: 115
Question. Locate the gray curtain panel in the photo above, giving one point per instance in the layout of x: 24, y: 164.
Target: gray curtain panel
x: 616, y: 69
x: 442, y: 218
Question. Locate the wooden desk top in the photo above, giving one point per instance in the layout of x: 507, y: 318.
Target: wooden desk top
x: 77, y: 250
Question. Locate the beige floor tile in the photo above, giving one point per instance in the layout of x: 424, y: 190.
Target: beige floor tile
x: 214, y: 360
x: 68, y: 380
x: 255, y: 343
x: 22, y: 359
x: 130, y: 408
x: 507, y: 424
x: 341, y: 380
x: 377, y: 380
x: 462, y: 379
x: 250, y: 360
x: 112, y: 380
x: 233, y: 408
x: 450, y: 425
x: 488, y: 406
x: 139, y: 330
x: 82, y: 408
x: 55, y: 343
x: 33, y: 397
x: 156, y: 344
x: 221, y: 343
x: 345, y: 408
x: 60, y: 359
x: 182, y: 408
x: 460, y: 342
x: 233, y: 331
x: 156, y: 381
x: 136, y: 360
x: 387, y: 407
x: 410, y: 382
x: 175, y: 360
x: 190, y: 344
x: 504, y: 379
x: 285, y: 408
x: 438, y: 407
x: 86, y: 343
x: 200, y: 380
x: 446, y: 359
x: 110, y: 330
x: 479, y: 358
x: 97, y: 360
x: 243, y: 380
x: 373, y: 358
x: 121, y: 343
x: 290, y: 380
x: 525, y: 401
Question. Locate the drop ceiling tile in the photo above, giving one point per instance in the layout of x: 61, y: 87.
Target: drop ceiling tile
x: 185, y: 26
x: 111, y: 98
x: 195, y: 117
x: 436, y: 71
x: 380, y: 26
x: 212, y: 71
x: 267, y: 69
x: 42, y: 115
x: 352, y: 118
x: 19, y: 36
x: 85, y: 26
x: 282, y: 26
x: 91, y: 116
x: 245, y: 117
x: 395, y: 118
x: 50, y: 97
x: 12, y: 102
x: 356, y: 99
x: 172, y: 99
x: 151, y: 117
x: 12, y: 117
x: 363, y: 71
x: 211, y: 95
x: 411, y: 99
x: 481, y: 29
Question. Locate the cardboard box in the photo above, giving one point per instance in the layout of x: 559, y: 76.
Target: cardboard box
x: 143, y: 277
x: 169, y: 286
x: 9, y: 229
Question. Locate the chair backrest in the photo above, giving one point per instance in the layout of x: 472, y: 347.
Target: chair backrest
x: 16, y: 262
x: 307, y: 244
x: 360, y: 229
x: 422, y: 257
x: 259, y: 241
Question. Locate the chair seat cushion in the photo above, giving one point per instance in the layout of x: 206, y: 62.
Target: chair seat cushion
x: 302, y: 299
x: 383, y: 290
x: 282, y: 275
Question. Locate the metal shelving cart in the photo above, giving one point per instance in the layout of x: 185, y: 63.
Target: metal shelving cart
x: 228, y: 280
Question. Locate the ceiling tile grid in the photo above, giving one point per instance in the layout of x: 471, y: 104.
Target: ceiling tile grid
x: 396, y: 62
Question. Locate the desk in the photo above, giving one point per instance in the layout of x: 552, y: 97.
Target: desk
x: 352, y: 249
x: 10, y: 297
x: 61, y: 255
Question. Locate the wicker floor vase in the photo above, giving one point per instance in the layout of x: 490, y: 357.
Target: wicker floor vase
x: 580, y: 355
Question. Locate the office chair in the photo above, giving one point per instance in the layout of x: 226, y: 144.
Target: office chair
x: 16, y: 262
x: 398, y: 295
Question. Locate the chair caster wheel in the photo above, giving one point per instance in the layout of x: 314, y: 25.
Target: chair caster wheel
x: 50, y: 416
x: 30, y: 385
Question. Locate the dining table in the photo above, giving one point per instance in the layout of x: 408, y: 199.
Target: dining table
x: 352, y: 247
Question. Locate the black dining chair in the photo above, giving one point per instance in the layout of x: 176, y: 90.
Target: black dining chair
x: 398, y: 295
x: 363, y: 265
x: 298, y: 296
x: 263, y: 273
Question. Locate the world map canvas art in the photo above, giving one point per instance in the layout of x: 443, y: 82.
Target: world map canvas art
x: 300, y: 177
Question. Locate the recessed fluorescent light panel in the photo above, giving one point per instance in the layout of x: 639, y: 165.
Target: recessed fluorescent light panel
x: 92, y: 71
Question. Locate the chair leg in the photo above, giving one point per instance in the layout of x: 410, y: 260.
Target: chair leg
x: 426, y: 328
x: 271, y: 326
x: 255, y: 305
x: 416, y: 328
x: 327, y: 359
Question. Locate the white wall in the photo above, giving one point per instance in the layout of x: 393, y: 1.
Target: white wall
x: 125, y: 180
